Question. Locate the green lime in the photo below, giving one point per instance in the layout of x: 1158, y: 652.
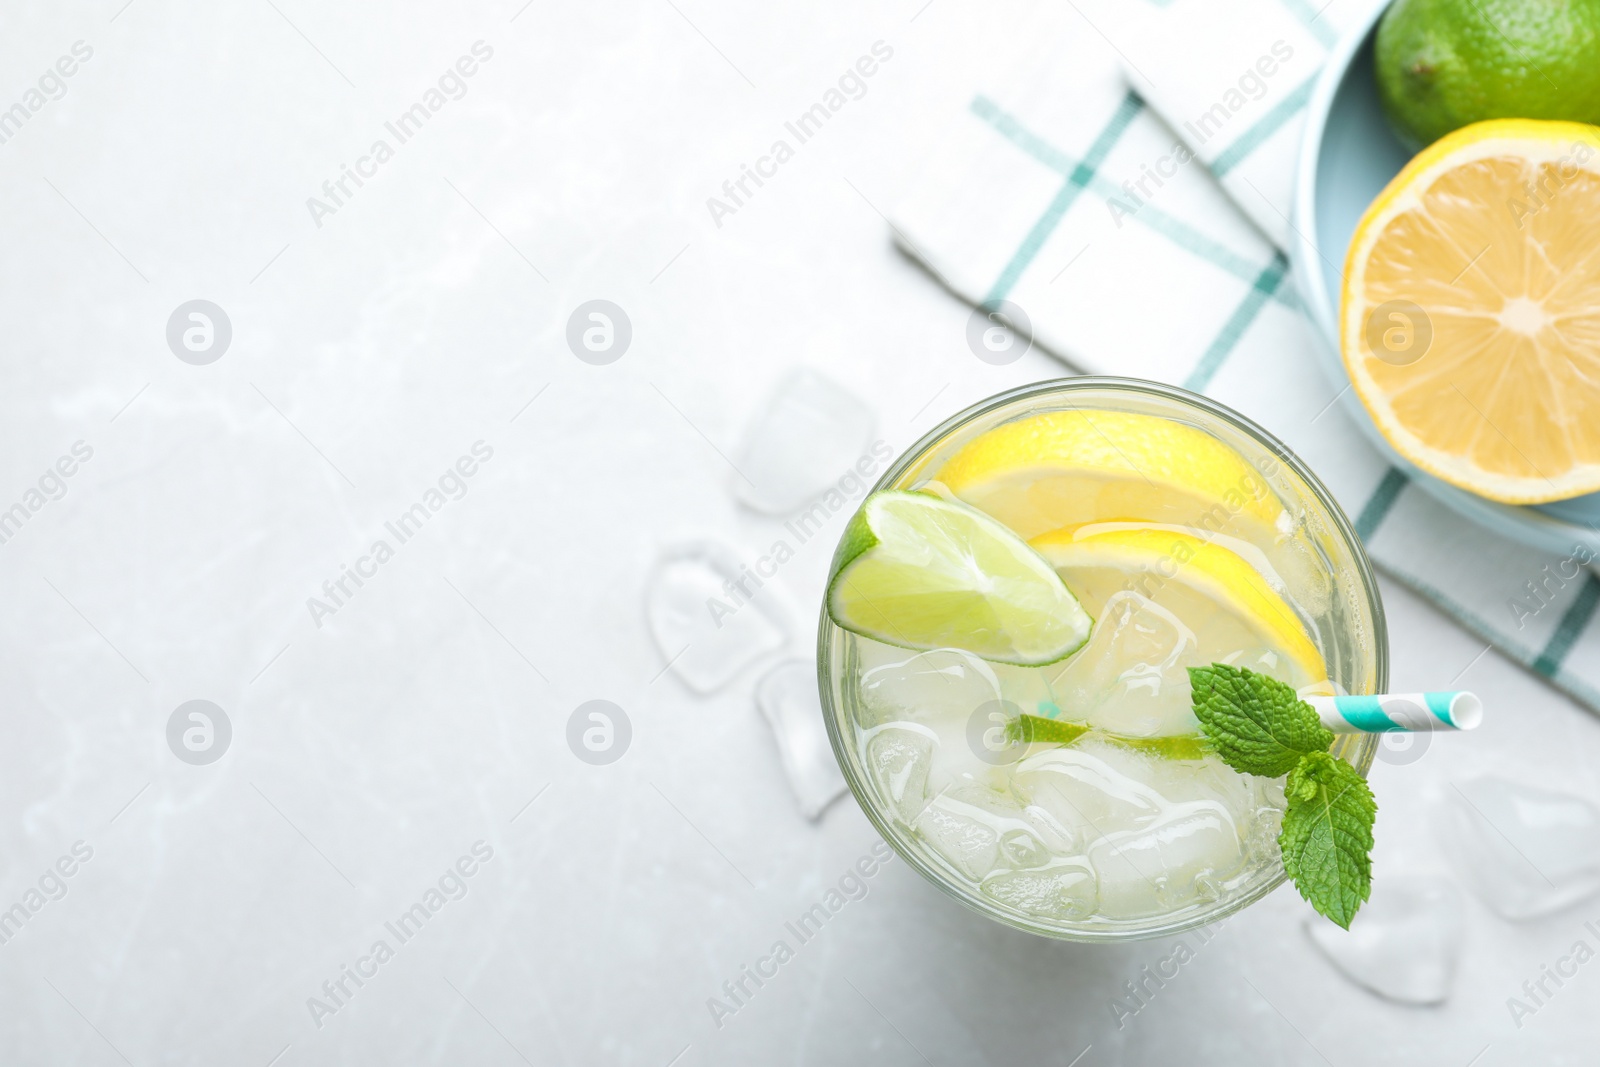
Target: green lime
x: 920, y: 572
x: 1445, y: 64
x: 1036, y: 729
x: 1173, y: 746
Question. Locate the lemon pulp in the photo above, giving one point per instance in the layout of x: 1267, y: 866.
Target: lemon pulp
x: 1471, y: 318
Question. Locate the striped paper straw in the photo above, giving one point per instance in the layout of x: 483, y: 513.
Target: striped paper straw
x: 1398, y: 711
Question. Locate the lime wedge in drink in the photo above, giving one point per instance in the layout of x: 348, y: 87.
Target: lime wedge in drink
x: 1036, y: 729
x: 920, y: 572
x: 1170, y: 746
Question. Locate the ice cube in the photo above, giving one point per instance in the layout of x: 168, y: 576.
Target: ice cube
x: 945, y: 684
x: 970, y: 844
x: 1265, y: 661
x: 978, y: 829
x: 1403, y: 944
x: 1088, y: 788
x: 957, y: 697
x: 787, y: 697
x: 709, y: 615
x: 1526, y: 851
x: 1023, y: 848
x: 1255, y: 805
x: 1179, y: 860
x: 1301, y: 569
x: 897, y: 756
x: 1159, y: 832
x: 809, y: 434
x: 1064, y: 889
x: 1211, y: 779
x: 1261, y: 829
x: 1030, y: 688
x: 1131, y: 678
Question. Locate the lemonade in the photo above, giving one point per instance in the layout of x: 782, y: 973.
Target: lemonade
x: 1022, y: 600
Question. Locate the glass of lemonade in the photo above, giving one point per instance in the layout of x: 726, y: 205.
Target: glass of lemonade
x: 1189, y: 536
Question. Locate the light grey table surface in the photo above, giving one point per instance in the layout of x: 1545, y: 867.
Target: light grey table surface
x: 373, y: 751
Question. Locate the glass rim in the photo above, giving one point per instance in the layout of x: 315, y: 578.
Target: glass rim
x: 914, y: 454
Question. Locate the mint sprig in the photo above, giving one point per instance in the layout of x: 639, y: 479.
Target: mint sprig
x: 1260, y: 726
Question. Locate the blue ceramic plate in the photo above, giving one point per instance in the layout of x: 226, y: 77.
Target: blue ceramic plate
x: 1349, y: 154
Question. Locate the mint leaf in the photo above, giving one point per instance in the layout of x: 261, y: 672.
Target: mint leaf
x: 1257, y: 724
x: 1327, y: 835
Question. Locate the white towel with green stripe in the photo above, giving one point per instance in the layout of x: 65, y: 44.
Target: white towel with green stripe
x: 1232, y: 78
x: 1026, y: 199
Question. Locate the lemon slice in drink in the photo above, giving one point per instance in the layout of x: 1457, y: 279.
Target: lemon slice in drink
x: 1065, y: 468
x: 1214, y: 592
x: 1471, y: 315
x: 920, y: 572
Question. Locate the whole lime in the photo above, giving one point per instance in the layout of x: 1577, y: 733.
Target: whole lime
x: 1444, y: 64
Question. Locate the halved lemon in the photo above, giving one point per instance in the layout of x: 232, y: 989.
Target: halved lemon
x: 1217, y: 594
x: 1066, y: 468
x: 1470, y: 324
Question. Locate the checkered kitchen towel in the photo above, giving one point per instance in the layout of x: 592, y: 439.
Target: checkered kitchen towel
x: 1041, y: 193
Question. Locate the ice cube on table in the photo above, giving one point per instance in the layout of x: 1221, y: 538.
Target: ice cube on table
x: 1064, y: 889
x: 1132, y: 678
x: 808, y: 434
x: 706, y: 625
x: 1526, y: 851
x: 1403, y: 944
x: 788, y: 699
